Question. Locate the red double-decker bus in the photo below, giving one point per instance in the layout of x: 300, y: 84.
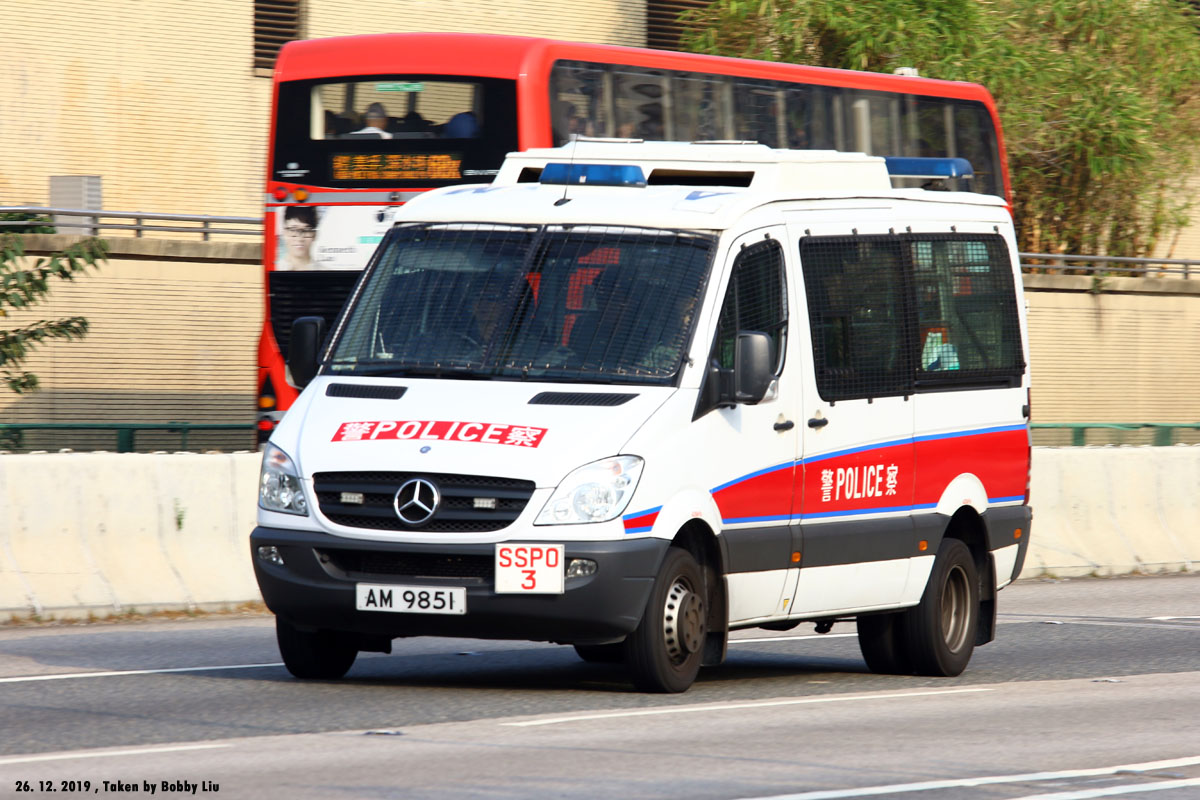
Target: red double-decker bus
x: 361, y: 123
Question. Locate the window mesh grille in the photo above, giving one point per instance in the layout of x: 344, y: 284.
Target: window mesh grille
x: 604, y: 303
x: 276, y: 22
x: 893, y: 314
x: 755, y: 301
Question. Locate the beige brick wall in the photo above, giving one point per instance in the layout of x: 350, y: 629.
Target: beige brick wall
x: 171, y: 338
x: 1127, y: 354
x: 603, y: 21
x: 160, y: 98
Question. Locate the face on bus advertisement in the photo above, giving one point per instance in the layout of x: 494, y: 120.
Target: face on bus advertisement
x: 329, y: 237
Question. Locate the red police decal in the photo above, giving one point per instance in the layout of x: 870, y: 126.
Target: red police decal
x: 479, y: 432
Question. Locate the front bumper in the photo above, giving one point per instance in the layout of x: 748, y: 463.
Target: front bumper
x: 314, y: 589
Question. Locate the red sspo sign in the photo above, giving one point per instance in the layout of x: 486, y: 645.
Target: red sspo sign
x: 443, y: 430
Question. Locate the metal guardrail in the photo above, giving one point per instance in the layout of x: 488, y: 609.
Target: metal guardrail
x: 93, y: 221
x: 1184, y: 268
x: 1164, y: 432
x: 125, y: 431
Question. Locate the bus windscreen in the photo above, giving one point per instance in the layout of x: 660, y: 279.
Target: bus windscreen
x: 393, y: 131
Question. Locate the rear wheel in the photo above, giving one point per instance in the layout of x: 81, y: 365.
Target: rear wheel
x: 881, y: 639
x: 601, y: 653
x: 664, y: 652
x: 316, y: 655
x: 940, y: 631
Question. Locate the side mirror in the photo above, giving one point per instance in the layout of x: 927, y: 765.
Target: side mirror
x: 754, y: 366
x: 308, y: 333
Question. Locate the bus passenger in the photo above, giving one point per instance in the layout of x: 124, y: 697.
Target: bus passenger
x: 376, y: 120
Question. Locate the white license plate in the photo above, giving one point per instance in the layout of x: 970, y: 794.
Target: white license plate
x: 411, y: 599
x: 529, y: 568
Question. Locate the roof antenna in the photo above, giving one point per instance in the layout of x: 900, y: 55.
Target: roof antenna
x: 562, y: 201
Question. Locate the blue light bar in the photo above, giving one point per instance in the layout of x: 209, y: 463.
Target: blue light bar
x: 593, y: 175
x: 931, y: 168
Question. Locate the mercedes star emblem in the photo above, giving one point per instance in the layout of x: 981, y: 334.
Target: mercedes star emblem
x: 416, y: 501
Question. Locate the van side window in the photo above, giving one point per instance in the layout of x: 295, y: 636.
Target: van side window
x: 756, y: 300
x: 967, y: 324
x: 858, y: 309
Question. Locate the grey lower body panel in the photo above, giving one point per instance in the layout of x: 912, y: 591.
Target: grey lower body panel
x: 313, y: 589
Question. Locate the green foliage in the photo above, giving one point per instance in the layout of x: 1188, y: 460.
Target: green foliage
x: 23, y: 287
x: 1099, y: 99
x: 41, y: 223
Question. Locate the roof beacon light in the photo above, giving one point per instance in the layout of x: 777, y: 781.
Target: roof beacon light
x: 929, y: 168
x: 593, y: 175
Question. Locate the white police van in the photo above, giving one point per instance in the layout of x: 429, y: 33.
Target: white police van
x: 633, y: 396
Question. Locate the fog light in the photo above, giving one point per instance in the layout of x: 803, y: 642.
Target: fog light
x: 581, y: 568
x: 270, y: 554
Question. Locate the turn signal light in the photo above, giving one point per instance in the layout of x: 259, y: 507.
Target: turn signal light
x: 796, y: 557
x: 922, y: 545
x: 301, y: 195
x: 266, y: 401
x: 1017, y: 533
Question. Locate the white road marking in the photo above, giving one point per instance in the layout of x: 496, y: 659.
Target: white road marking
x: 1114, y: 791
x: 958, y: 783
x: 110, y: 753
x: 62, y: 676
x: 650, y: 712
x: 1167, y: 619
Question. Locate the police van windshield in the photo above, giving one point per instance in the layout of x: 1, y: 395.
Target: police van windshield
x: 602, y: 304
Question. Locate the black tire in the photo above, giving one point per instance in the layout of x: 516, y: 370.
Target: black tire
x: 882, y: 642
x: 601, y: 653
x: 940, y: 631
x: 664, y: 653
x: 314, y: 655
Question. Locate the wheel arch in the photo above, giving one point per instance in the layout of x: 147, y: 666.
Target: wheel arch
x: 967, y: 525
x: 700, y: 540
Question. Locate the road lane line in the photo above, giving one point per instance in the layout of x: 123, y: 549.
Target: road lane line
x: 650, y: 712
x: 110, y: 753
x: 960, y: 783
x: 63, y: 676
x: 1114, y: 791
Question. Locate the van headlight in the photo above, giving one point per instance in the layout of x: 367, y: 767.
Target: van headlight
x: 279, y: 484
x: 595, y: 492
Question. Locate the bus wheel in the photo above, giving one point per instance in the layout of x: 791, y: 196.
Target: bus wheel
x: 664, y: 652
x: 941, y: 629
x: 601, y: 653
x: 881, y: 640
x: 317, y: 655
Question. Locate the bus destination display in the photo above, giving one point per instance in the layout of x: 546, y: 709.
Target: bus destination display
x: 396, y: 167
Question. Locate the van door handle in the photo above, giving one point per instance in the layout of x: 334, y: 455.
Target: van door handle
x: 786, y: 425
x: 818, y: 422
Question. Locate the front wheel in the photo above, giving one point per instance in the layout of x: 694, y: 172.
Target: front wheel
x: 663, y: 654
x: 941, y: 630
x: 315, y: 655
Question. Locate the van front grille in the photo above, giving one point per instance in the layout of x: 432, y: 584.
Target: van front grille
x: 356, y: 563
x: 366, y: 500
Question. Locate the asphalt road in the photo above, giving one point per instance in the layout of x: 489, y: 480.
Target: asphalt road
x: 1092, y: 689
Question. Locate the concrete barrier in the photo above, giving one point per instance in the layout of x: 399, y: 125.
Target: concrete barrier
x: 107, y: 534
x: 1114, y: 510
